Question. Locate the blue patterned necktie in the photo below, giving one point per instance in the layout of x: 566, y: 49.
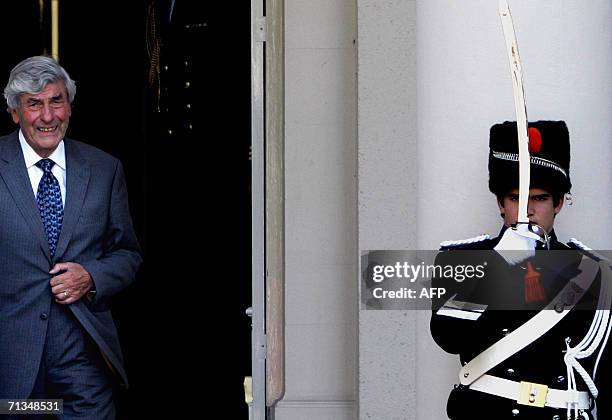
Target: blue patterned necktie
x: 49, y: 200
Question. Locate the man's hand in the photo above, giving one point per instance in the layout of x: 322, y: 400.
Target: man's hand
x: 71, y: 284
x: 517, y: 245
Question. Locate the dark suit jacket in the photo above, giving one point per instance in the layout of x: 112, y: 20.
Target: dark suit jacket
x: 96, y: 232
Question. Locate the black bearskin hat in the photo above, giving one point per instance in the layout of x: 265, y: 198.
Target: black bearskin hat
x: 549, y: 150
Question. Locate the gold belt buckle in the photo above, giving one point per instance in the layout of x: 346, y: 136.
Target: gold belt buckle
x: 532, y: 394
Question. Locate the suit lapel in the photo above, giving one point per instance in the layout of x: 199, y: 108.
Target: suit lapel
x: 77, y: 179
x: 15, y: 175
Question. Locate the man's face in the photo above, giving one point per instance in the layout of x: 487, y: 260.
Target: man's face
x: 44, y: 117
x: 540, y: 209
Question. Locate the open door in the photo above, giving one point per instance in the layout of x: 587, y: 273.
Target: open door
x: 266, y: 386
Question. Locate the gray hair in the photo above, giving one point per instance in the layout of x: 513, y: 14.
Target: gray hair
x: 32, y: 75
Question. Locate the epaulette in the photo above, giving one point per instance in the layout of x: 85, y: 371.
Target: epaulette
x: 576, y: 244
x: 462, y: 243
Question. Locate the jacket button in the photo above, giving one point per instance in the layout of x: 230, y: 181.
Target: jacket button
x: 556, y: 417
x: 515, y: 412
x: 510, y: 372
x: 560, y: 379
x: 44, y: 316
x: 505, y: 331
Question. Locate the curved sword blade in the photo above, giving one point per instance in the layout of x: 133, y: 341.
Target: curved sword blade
x: 520, y: 108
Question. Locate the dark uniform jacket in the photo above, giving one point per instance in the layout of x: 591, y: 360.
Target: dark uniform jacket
x: 540, y: 362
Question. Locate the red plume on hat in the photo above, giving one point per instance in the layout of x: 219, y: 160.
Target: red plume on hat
x: 535, y: 140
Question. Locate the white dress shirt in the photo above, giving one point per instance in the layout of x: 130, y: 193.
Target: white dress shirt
x: 59, y: 169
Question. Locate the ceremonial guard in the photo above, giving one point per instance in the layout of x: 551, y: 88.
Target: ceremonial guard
x: 531, y: 335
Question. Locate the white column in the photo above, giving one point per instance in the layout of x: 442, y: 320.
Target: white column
x: 320, y: 213
x: 387, y: 145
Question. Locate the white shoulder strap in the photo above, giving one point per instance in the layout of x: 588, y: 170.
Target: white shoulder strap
x: 533, y: 329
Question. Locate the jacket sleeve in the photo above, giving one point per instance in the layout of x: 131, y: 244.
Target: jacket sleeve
x: 459, y: 329
x: 117, y: 266
x: 449, y: 332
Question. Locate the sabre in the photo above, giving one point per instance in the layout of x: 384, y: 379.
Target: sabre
x: 520, y: 108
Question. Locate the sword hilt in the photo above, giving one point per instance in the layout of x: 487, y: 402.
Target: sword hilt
x: 539, y: 232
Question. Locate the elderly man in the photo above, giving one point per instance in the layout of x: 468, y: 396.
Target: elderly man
x: 538, y: 356
x: 67, y: 246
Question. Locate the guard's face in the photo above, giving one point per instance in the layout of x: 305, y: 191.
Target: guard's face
x: 540, y: 209
x: 44, y: 117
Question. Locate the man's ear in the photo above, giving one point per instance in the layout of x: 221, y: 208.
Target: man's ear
x: 15, y: 116
x: 560, y: 206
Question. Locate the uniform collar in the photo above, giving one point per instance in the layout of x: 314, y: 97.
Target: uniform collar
x: 552, y: 235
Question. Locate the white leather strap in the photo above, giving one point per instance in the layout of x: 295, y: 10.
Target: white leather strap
x: 533, y: 329
x: 556, y: 398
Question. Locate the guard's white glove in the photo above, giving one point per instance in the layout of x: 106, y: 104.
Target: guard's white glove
x: 518, y: 244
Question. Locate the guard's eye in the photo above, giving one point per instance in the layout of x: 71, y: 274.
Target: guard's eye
x: 543, y: 197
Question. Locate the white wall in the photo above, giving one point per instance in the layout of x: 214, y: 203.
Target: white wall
x: 465, y: 87
x: 433, y: 77
x: 320, y: 214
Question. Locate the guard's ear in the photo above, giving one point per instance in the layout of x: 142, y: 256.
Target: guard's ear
x: 560, y: 205
x: 500, y: 205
